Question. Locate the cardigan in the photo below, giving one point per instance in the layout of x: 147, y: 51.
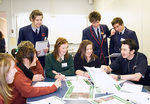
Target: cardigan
x: 66, y: 67
x: 22, y: 88
x: 79, y: 63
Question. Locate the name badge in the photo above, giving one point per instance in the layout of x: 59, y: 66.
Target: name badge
x: 104, y: 36
x: 64, y: 64
x: 122, y: 39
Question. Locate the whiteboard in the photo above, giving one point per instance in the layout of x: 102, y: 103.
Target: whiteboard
x: 67, y: 26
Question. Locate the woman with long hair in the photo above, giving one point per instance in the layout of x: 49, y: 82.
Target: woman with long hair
x: 85, y: 57
x: 59, y: 63
x: 7, y: 73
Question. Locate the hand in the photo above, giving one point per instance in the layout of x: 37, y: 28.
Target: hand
x: 58, y: 75
x: 57, y: 83
x: 38, y: 52
x: 86, y: 74
x: 114, y: 76
x: 45, y: 50
x: 38, y: 77
x: 103, y: 68
x: 112, y: 32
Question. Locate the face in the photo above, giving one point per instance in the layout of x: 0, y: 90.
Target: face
x: 125, y: 51
x: 10, y: 75
x: 118, y: 27
x: 89, y: 50
x: 34, y: 61
x: 63, y: 49
x: 95, y: 24
x: 37, y: 22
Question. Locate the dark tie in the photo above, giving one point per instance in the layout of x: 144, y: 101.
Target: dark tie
x: 99, y: 38
x: 36, y: 31
x: 119, y: 38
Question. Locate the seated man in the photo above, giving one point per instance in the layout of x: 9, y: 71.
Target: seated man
x: 131, y: 64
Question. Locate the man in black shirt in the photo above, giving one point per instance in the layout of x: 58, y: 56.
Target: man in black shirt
x: 131, y: 64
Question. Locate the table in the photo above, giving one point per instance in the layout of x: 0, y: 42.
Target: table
x: 61, y: 92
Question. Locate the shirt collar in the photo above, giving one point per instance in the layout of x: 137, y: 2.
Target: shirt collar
x: 61, y: 58
x: 34, y: 29
x: 123, y: 31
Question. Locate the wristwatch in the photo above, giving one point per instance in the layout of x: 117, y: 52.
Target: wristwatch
x: 119, y: 77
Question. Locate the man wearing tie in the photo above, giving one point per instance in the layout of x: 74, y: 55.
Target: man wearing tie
x: 120, y: 33
x: 97, y: 34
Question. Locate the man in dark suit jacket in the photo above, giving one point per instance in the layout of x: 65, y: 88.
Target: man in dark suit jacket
x: 97, y: 34
x: 120, y: 33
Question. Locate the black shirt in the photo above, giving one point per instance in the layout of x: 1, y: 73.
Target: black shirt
x: 2, y: 45
x: 79, y: 63
x: 137, y: 65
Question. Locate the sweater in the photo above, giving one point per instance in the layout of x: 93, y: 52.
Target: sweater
x: 22, y: 88
x: 66, y: 67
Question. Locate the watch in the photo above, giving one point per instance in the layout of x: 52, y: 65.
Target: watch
x: 119, y: 77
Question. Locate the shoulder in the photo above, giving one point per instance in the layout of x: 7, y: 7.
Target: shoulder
x: 104, y: 26
x: 44, y: 27
x: 77, y: 56
x: 129, y: 31
x: 87, y: 29
x: 141, y: 55
x: 25, y: 28
x: 50, y: 55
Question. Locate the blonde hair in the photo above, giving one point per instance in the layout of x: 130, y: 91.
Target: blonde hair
x: 5, y: 64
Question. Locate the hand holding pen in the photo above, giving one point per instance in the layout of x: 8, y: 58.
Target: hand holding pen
x: 58, y: 75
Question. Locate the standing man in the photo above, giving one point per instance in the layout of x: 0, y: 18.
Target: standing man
x: 97, y: 34
x: 132, y: 64
x: 35, y: 32
x: 120, y: 33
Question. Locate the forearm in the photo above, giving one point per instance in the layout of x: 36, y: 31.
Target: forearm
x: 132, y: 77
x: 79, y: 72
x: 70, y: 71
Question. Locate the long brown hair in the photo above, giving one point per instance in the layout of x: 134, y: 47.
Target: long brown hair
x: 82, y: 49
x: 5, y: 64
x: 58, y: 43
x: 1, y: 35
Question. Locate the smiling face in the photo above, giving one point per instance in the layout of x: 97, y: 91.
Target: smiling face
x: 63, y: 49
x: 89, y: 50
x: 126, y: 53
x: 95, y: 24
x: 11, y: 73
x: 37, y: 22
x: 118, y: 28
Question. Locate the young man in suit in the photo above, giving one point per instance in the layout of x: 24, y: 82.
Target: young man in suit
x: 97, y: 34
x: 120, y: 33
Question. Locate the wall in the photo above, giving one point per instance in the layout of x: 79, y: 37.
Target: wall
x: 16, y: 8
x: 135, y: 14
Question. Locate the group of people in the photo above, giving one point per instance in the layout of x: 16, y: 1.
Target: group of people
x: 17, y: 72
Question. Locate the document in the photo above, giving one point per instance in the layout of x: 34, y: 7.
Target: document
x: 110, y: 99
x: 130, y: 87
x: 43, y: 84
x: 49, y: 100
x: 79, y: 93
x: 114, y: 55
x: 102, y: 80
x: 40, y: 45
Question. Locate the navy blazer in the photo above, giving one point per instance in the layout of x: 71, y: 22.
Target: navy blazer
x: 26, y: 33
x: 99, y: 47
x: 114, y: 46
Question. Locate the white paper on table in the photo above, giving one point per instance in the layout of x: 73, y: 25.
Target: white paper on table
x: 43, y: 84
x: 49, y: 100
x: 71, y: 78
x: 40, y: 45
x: 129, y: 87
x: 135, y: 98
x: 102, y: 80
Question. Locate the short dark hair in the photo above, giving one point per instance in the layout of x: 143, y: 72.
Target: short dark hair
x: 117, y: 20
x: 94, y: 16
x: 131, y: 43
